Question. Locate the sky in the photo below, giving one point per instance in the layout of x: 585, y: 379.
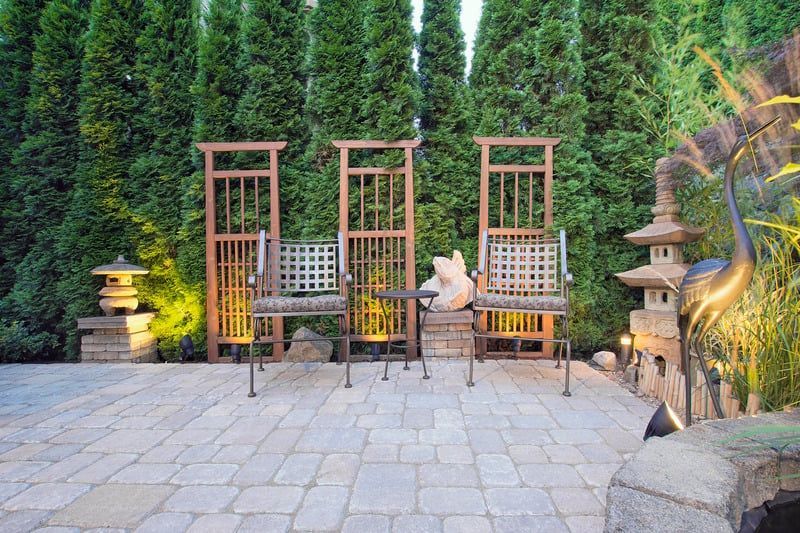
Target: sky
x: 470, y: 15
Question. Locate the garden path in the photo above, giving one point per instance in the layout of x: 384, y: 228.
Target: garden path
x: 180, y: 447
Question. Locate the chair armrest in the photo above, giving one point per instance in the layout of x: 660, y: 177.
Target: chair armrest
x: 475, y: 275
x: 347, y: 278
x: 568, y: 281
x: 251, y: 281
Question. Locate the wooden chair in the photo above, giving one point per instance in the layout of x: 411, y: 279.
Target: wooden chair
x: 522, y: 276
x: 299, y: 278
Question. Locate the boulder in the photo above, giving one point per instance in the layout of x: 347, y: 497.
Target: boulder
x: 606, y: 360
x: 308, y: 346
x: 451, y: 282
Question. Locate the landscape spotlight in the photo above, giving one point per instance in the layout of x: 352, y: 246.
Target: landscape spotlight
x: 663, y: 422
x: 187, y: 348
x: 236, y: 353
x: 625, y: 349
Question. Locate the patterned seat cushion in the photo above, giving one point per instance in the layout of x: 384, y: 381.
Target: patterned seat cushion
x: 553, y: 304
x: 309, y: 304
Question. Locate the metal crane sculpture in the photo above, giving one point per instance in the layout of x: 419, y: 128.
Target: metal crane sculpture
x: 710, y: 287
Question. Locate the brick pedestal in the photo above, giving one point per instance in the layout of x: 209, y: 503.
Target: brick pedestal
x: 118, y: 338
x: 448, y: 334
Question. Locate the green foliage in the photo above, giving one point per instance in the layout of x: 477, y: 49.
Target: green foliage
x: 217, y: 89
x: 18, y: 344
x: 528, y: 79
x: 97, y: 224
x: 18, y: 28
x: 765, y: 21
x: 617, y: 46
x: 336, y: 96
x: 44, y: 165
x: 166, y: 63
x: 271, y: 107
x: 757, y: 337
x: 392, y: 92
x: 449, y: 182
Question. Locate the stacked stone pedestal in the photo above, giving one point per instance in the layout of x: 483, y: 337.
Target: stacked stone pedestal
x: 448, y: 334
x: 124, y: 338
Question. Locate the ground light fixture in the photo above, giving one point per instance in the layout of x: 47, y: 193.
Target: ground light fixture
x: 663, y: 422
x: 236, y: 353
x: 625, y: 349
x: 187, y: 348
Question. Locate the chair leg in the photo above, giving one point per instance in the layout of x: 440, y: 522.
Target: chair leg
x: 561, y: 345
x: 347, y: 383
x: 252, y: 392
x: 565, y: 336
x: 480, y: 343
x: 566, y: 376
x: 341, y: 341
x: 475, y: 340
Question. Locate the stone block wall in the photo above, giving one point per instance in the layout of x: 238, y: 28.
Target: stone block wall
x: 119, y: 339
x: 448, y: 334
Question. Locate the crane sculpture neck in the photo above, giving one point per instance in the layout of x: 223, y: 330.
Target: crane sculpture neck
x: 744, y: 252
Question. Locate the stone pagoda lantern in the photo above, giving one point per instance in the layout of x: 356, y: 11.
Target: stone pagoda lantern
x: 655, y: 327
x: 123, y: 337
x: 119, y: 292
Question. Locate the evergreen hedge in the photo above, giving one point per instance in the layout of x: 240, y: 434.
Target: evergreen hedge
x: 103, y: 100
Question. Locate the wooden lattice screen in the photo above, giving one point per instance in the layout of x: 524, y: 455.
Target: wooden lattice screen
x: 376, y: 216
x: 516, y: 202
x: 238, y: 204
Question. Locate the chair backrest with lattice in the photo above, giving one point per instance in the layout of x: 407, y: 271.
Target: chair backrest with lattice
x: 523, y: 266
x: 293, y: 266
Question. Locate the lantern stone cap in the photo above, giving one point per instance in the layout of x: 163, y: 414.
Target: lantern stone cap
x: 669, y: 232
x: 119, y: 266
x: 654, y: 276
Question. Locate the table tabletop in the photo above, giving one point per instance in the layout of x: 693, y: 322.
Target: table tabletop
x: 405, y: 295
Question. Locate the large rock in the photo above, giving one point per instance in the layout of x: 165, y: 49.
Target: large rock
x: 451, y: 282
x: 308, y: 346
x: 606, y: 360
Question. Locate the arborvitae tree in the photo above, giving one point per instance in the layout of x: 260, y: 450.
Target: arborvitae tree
x: 336, y: 95
x: 503, y: 48
x: 528, y: 78
x: 391, y: 82
x: 617, y: 47
x: 449, y: 189
x: 97, y: 225
x: 166, y: 63
x: 271, y: 108
x: 217, y: 88
x: 44, y: 166
x: 19, y: 25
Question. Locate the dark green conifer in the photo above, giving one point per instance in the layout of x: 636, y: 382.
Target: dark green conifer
x: 617, y: 47
x: 217, y: 88
x: 97, y: 225
x: 44, y: 166
x: 19, y: 25
x: 271, y: 108
x: 528, y: 79
x: 449, y: 185
x: 166, y: 64
x: 392, y: 97
x: 336, y: 96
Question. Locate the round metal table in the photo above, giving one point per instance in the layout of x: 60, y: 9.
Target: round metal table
x: 382, y: 297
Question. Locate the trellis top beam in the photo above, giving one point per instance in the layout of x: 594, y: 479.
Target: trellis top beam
x: 516, y: 141
x: 241, y: 146
x: 377, y: 144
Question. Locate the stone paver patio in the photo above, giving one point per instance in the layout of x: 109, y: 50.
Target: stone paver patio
x: 182, y: 448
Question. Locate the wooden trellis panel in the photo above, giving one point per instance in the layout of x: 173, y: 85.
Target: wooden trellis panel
x: 516, y: 203
x: 376, y: 216
x: 238, y: 203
